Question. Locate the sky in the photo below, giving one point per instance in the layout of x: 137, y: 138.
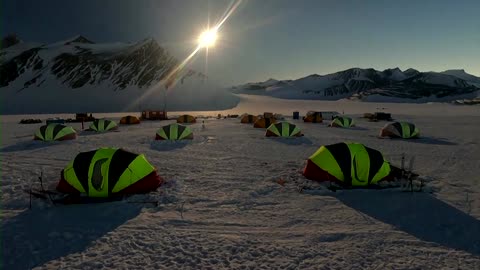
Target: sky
x: 262, y: 39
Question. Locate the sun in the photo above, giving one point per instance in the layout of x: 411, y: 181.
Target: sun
x: 207, y: 38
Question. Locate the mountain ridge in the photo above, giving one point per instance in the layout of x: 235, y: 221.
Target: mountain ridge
x: 360, y: 83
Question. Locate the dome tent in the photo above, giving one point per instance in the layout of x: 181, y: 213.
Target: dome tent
x: 186, y: 119
x: 313, y: 117
x: 102, y: 125
x: 264, y: 122
x: 283, y: 129
x: 403, y: 130
x: 108, y: 172
x: 55, y: 132
x: 342, y: 121
x: 248, y: 119
x: 174, y: 132
x: 129, y: 120
x: 348, y: 164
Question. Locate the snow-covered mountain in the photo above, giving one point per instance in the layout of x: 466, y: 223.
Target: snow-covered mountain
x: 370, y: 84
x: 79, y: 75
x: 460, y: 73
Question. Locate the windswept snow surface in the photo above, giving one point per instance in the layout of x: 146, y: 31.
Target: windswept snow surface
x: 223, y: 208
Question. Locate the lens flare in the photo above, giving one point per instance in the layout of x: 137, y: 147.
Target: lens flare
x: 207, y: 38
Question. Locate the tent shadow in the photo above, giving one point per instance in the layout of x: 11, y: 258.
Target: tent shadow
x: 292, y: 141
x: 358, y: 128
x: 432, y: 140
x: 27, y: 145
x: 168, y: 145
x: 36, y: 236
x: 94, y: 133
x: 421, y: 215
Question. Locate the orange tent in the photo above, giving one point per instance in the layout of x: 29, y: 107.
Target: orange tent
x: 129, y: 120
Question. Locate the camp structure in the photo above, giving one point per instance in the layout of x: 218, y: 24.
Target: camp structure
x: 30, y: 121
x: 264, y: 122
x: 108, y: 172
x: 102, y: 125
x: 248, y: 119
x: 268, y: 115
x: 378, y: 116
x: 55, y: 120
x: 348, y: 164
x: 186, y: 119
x: 81, y: 117
x: 174, y: 132
x: 342, y: 121
x: 403, y: 130
x: 129, y: 120
x: 55, y: 132
x: 154, y: 115
x: 283, y: 129
x: 313, y: 117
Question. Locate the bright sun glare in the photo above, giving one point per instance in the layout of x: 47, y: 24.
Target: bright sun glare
x: 207, y: 38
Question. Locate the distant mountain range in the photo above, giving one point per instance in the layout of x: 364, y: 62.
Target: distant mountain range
x: 77, y: 74
x: 371, y: 85
x: 77, y: 62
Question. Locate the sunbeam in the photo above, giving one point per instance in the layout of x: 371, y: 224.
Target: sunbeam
x: 206, y: 39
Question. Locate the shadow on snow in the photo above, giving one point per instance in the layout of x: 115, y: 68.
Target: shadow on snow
x: 34, y: 237
x: 168, y: 145
x: 292, y: 140
x: 421, y: 215
x: 28, y: 145
x: 432, y: 140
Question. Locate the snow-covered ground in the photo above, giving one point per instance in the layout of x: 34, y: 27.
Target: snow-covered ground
x: 223, y: 208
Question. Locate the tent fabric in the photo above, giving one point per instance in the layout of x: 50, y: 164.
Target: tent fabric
x: 264, y: 122
x: 101, y: 125
x: 313, y: 117
x: 129, y: 120
x: 55, y: 132
x: 186, y: 119
x: 403, y: 130
x: 348, y: 164
x: 107, y: 172
x: 248, y: 119
x: 283, y: 129
x: 342, y: 121
x: 174, y: 132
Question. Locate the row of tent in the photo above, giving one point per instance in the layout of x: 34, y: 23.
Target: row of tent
x: 110, y: 172
x: 265, y: 122
x: 174, y: 131
x: 59, y: 132
x: 133, y: 120
x: 403, y: 130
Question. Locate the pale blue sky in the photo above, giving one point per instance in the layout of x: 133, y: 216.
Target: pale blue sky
x: 283, y: 39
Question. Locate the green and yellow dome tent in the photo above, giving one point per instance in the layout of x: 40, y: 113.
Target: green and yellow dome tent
x: 348, y: 164
x: 186, y: 119
x: 55, y: 132
x: 248, y: 119
x: 403, y: 130
x: 102, y: 125
x: 342, y: 121
x: 108, y: 172
x: 174, y: 132
x: 264, y: 122
x: 283, y: 129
